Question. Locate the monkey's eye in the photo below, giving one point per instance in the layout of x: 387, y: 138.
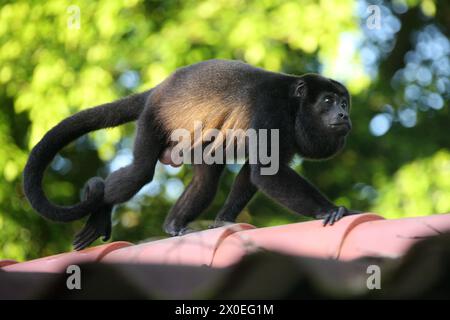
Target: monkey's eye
x: 328, y: 100
x: 344, y: 105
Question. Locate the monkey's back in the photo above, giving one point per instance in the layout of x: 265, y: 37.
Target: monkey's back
x: 218, y: 93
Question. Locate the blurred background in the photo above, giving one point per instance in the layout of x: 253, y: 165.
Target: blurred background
x: 59, y: 57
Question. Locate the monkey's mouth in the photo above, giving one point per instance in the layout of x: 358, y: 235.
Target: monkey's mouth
x: 341, y: 125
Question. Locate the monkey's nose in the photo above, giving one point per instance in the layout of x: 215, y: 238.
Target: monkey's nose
x: 343, y: 116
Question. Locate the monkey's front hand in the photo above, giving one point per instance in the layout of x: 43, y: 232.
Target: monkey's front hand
x: 334, y: 214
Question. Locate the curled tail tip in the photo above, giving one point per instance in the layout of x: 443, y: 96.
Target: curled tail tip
x: 92, y: 200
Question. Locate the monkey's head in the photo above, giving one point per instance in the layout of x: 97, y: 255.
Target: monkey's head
x: 322, y: 119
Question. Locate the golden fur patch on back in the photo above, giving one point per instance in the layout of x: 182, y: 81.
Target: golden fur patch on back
x: 213, y: 113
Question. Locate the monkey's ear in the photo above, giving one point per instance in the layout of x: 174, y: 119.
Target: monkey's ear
x: 300, y: 89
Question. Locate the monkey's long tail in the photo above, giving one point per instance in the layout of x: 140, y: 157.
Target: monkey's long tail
x: 104, y: 116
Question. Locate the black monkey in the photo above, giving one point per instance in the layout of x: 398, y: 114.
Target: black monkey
x: 311, y: 113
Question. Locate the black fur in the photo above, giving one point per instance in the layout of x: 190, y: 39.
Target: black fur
x: 295, y: 105
x: 104, y: 116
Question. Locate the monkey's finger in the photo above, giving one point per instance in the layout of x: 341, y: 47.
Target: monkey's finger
x: 83, y: 232
x: 335, y: 217
x: 341, y: 213
x: 332, y: 219
x: 87, y: 241
x: 327, y: 219
x: 80, y: 238
x: 82, y: 243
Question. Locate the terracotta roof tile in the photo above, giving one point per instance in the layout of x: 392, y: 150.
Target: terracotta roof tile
x: 391, y: 238
x: 350, y: 238
x: 59, y: 262
x: 305, y: 238
x: 196, y: 248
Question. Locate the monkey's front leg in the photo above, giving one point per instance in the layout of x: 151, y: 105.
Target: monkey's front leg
x: 297, y: 194
x: 241, y: 193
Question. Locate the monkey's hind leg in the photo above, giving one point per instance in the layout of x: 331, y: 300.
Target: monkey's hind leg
x: 123, y: 184
x: 195, y: 199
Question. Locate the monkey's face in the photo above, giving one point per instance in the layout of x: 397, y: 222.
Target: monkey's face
x: 332, y: 113
x: 322, y: 120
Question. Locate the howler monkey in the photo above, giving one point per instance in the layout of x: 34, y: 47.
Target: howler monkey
x: 311, y: 113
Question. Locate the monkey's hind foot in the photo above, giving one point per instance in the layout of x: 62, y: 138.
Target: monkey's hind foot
x: 97, y: 225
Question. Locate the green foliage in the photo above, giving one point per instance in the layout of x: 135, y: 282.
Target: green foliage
x: 417, y: 188
x: 50, y: 68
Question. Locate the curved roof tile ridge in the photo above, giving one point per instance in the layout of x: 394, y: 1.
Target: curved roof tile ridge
x: 196, y: 248
x: 309, y: 238
x: 351, y: 237
x: 391, y: 238
x: 59, y: 262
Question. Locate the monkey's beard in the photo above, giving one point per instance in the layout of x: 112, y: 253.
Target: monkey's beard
x: 317, y: 143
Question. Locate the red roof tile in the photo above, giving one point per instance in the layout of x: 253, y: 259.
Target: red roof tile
x: 59, y: 262
x: 391, y: 238
x: 351, y: 237
x: 196, y: 248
